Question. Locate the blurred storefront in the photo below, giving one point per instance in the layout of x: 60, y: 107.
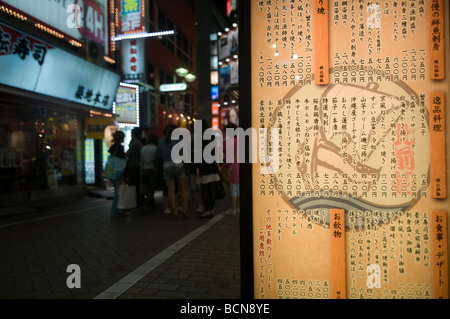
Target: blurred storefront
x: 64, y: 64
x: 225, y: 77
x: 58, y: 70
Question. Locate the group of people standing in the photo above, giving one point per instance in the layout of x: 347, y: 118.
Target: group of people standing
x: 150, y: 167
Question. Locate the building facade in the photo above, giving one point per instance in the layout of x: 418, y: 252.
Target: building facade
x: 57, y: 69
x: 72, y: 72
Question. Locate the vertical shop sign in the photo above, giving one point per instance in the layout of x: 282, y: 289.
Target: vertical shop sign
x: 133, y: 59
x: 215, y: 108
x: 96, y: 22
x: 130, y: 16
x: 126, y: 104
x: 215, y: 122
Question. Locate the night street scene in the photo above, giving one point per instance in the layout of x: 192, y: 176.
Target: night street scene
x: 224, y: 157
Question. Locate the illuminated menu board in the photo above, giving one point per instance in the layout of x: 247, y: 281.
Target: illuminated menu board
x: 349, y: 196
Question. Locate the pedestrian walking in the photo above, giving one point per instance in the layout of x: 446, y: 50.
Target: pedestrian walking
x: 193, y: 186
x: 149, y: 175
x: 173, y: 173
x: 207, y: 177
x: 230, y: 146
x: 133, y: 168
x: 118, y: 150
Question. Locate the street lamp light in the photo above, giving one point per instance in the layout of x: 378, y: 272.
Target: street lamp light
x: 190, y: 77
x: 181, y: 71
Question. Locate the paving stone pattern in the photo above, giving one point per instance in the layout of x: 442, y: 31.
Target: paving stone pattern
x: 207, y: 268
x: 37, y: 247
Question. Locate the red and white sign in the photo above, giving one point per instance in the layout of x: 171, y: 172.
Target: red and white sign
x: 215, y: 123
x: 133, y: 59
x: 95, y: 21
x: 215, y: 108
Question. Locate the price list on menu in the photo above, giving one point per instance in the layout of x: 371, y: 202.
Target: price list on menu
x: 350, y: 187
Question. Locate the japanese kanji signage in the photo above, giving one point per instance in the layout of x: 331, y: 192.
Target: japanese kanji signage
x: 440, y: 254
x: 355, y: 92
x: 127, y: 104
x: 133, y: 60
x: 30, y: 64
x: 95, y: 127
x: 76, y: 18
x: 438, y: 169
x: 130, y: 16
x: 437, y: 36
x: 321, y: 18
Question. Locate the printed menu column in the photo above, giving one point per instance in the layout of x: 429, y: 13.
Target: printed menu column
x: 338, y: 269
x: 436, y: 40
x: 440, y: 255
x: 321, y: 48
x: 438, y: 173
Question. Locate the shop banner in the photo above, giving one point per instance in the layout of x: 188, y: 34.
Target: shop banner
x: 30, y: 64
x: 224, y: 76
x: 349, y: 190
x: 76, y: 18
x: 95, y: 127
x: 224, y: 47
x: 133, y: 60
x: 130, y: 16
x: 215, y: 108
x: 228, y: 44
x: 127, y: 104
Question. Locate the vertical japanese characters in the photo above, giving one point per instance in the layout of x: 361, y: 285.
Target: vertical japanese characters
x: 321, y: 48
x: 438, y: 171
x: 356, y: 90
x: 440, y: 255
x: 436, y: 34
x: 338, y: 267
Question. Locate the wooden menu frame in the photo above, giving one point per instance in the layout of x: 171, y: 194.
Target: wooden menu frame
x: 245, y: 171
x: 251, y: 209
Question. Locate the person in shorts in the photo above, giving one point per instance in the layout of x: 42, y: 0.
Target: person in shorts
x: 173, y: 172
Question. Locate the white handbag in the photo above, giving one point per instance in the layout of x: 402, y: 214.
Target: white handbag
x: 127, y: 197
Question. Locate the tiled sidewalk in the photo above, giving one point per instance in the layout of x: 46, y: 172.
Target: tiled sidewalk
x: 37, y: 247
x: 206, y: 268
